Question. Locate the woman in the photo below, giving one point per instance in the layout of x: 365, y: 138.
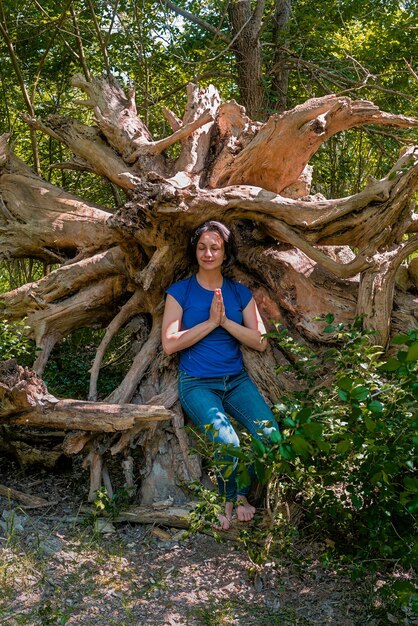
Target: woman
x: 206, y: 318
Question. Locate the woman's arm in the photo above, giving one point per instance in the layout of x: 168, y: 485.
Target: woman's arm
x: 174, y: 339
x: 251, y: 333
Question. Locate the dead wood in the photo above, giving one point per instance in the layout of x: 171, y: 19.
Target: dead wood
x: 178, y: 517
x: 302, y: 255
x: 27, y: 500
x: 26, y: 401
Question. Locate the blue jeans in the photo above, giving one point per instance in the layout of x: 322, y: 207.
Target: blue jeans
x: 209, y: 401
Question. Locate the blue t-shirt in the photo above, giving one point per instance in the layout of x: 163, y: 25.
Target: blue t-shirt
x: 219, y: 353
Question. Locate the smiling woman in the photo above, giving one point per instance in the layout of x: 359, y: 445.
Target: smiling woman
x: 206, y: 318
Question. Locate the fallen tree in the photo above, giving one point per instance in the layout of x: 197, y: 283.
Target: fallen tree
x: 302, y: 255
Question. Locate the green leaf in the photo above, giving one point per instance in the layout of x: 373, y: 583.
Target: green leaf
x: 342, y: 446
x: 402, y: 354
x: 324, y: 446
x: 377, y: 477
x: 304, y: 414
x: 312, y: 430
x: 329, y: 318
x: 300, y: 445
x: 343, y: 395
x: 357, y: 503
x: 243, y: 477
x: 276, y: 437
x: 360, y: 393
x: 286, y: 451
x: 400, y: 340
x: 413, y: 506
x: 411, y: 484
x: 370, y: 424
x: 413, y: 352
x: 258, y: 447
x: 345, y: 383
x: 287, y: 421
x: 391, y: 365
x: 261, y: 471
x: 375, y: 406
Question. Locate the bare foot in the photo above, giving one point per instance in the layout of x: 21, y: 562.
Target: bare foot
x: 245, y: 510
x: 225, y: 520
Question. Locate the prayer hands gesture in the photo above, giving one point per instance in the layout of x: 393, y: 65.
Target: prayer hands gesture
x: 217, y: 310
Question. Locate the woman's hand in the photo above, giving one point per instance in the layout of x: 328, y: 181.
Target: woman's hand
x: 217, y: 310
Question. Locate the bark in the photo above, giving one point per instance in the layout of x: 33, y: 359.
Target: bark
x: 26, y: 401
x: 245, y: 26
x: 178, y: 517
x: 280, y: 68
x: 27, y: 500
x: 302, y: 255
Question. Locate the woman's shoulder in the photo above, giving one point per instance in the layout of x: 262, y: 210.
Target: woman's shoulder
x: 181, y: 283
x: 242, y: 291
x: 180, y: 288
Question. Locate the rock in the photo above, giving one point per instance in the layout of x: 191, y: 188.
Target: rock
x: 413, y: 272
x: 12, y: 522
x: 104, y: 526
x: 50, y: 546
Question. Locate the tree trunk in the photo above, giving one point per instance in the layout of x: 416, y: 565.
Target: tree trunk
x: 280, y: 69
x: 301, y: 255
x: 245, y: 27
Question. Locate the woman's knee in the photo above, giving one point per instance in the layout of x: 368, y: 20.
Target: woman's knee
x: 221, y: 428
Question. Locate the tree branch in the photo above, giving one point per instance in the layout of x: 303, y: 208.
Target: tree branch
x: 196, y: 20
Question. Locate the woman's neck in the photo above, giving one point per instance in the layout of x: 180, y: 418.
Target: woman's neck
x: 209, y: 280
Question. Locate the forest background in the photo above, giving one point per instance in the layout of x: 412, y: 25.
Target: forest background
x: 299, y: 50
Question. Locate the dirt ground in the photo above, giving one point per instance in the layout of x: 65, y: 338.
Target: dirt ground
x: 55, y: 568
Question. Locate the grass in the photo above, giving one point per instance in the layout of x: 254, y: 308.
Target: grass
x: 227, y: 613
x: 118, y: 580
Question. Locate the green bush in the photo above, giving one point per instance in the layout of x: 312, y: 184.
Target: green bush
x: 347, y: 447
x: 67, y: 373
x: 15, y: 344
x: 348, y: 443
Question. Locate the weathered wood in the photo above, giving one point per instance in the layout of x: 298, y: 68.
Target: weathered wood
x: 279, y: 153
x: 28, y: 455
x: 94, y: 461
x: 60, y: 223
x: 178, y: 517
x: 89, y: 416
x: 74, y: 442
x: 25, y: 401
x: 301, y: 255
x: 26, y: 499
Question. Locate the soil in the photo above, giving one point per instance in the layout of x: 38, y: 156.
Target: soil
x: 57, y: 568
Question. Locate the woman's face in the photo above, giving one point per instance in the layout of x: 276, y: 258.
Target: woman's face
x: 210, y: 250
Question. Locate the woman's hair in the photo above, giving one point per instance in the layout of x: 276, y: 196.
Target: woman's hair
x: 225, y: 234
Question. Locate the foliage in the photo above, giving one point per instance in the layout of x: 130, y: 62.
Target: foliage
x: 205, y: 515
x: 68, y: 370
x: 347, y: 449
x: 15, y: 344
x: 349, y: 444
x: 111, y: 506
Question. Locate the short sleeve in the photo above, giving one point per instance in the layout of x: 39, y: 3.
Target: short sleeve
x: 245, y: 294
x: 178, y: 291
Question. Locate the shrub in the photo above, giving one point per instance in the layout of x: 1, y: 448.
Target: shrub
x: 15, y: 344
x: 349, y: 443
x: 347, y: 446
